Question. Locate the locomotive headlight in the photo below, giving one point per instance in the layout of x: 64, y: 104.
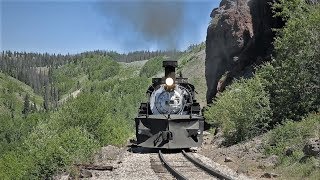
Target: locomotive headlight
x: 169, y: 81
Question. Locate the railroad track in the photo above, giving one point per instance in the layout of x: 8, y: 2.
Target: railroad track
x: 183, y: 166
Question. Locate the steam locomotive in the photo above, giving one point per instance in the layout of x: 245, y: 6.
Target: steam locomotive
x: 171, y: 118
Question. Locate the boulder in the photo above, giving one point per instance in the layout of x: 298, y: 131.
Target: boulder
x: 312, y: 147
x: 288, y: 151
x: 228, y: 159
x: 271, y: 161
x: 269, y: 175
x: 85, y: 173
x: 242, y: 170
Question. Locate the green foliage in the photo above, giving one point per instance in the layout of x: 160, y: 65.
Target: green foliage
x: 46, y: 150
x: 100, y: 109
x: 288, y: 8
x: 67, y: 136
x: 293, y: 78
x: 26, y: 106
x: 65, y: 77
x: 87, y: 110
x: 43, y: 143
x: 294, y: 135
x: 242, y: 111
x: 15, y: 165
x: 184, y: 59
x: 13, y: 130
x: 291, y: 169
x: 113, y: 130
x: 9, y: 133
x: 12, y: 94
x: 194, y: 48
x: 152, y: 67
x: 100, y: 67
x: 69, y: 77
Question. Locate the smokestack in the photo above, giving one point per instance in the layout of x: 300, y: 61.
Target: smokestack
x: 170, y: 69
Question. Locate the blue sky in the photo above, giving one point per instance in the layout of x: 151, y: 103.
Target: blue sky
x: 76, y: 26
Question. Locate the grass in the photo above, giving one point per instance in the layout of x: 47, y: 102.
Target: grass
x: 152, y: 67
x: 192, y: 66
x: 294, y: 135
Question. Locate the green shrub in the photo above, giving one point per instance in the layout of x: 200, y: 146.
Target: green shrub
x: 96, y: 68
x: 65, y: 77
x: 288, y: 8
x: 184, y: 59
x: 87, y: 111
x: 15, y: 164
x: 113, y: 130
x: 152, y: 67
x: 100, y: 67
x: 14, y: 130
x: 78, y: 144
x: 293, y: 78
x: 242, y: 111
x: 298, y: 171
x: 45, y: 151
x: 99, y: 108
x: 294, y: 135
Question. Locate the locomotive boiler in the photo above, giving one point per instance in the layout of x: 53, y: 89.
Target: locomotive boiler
x: 171, y: 118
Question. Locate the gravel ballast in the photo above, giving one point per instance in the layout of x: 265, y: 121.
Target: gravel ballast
x: 132, y: 166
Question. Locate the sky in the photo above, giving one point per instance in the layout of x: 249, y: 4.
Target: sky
x: 74, y: 26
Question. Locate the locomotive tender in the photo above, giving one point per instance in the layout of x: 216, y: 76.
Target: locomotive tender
x: 171, y: 119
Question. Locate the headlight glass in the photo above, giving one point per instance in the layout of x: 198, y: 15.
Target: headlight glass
x: 169, y: 81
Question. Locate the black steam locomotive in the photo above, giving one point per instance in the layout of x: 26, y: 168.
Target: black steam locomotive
x: 171, y: 119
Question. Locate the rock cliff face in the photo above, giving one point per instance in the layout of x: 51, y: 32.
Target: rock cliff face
x: 239, y: 36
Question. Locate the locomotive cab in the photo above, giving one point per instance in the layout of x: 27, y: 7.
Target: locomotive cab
x: 171, y: 118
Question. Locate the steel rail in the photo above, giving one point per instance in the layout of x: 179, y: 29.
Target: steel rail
x: 205, y: 167
x: 174, y: 172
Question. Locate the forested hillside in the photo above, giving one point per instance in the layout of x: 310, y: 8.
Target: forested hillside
x: 17, y: 101
x: 35, y: 143
x: 49, y: 74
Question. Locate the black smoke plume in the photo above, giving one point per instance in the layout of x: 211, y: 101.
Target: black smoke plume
x: 153, y: 21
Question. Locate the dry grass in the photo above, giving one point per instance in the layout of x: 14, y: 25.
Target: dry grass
x: 194, y: 69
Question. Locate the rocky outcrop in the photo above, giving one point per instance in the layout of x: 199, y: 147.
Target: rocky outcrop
x: 239, y: 36
x: 312, y: 147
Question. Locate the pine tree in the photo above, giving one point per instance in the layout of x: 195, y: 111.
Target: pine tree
x: 26, y: 106
x: 46, y: 98
x: 34, y: 106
